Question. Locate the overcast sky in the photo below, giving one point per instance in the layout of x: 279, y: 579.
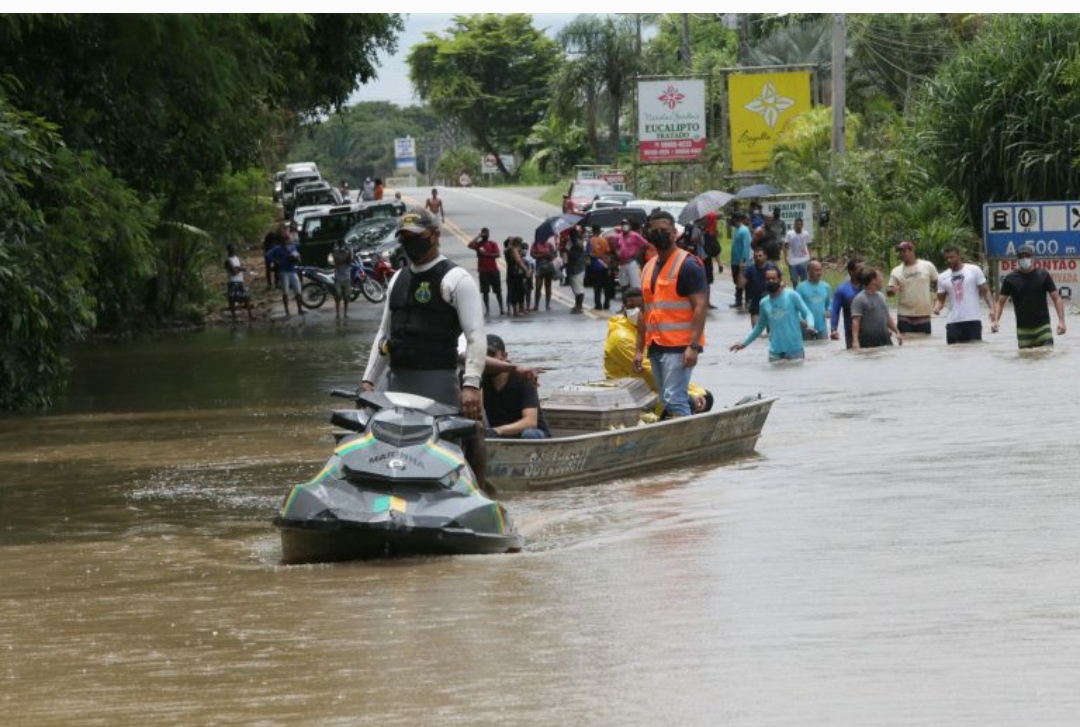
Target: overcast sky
x: 393, y: 82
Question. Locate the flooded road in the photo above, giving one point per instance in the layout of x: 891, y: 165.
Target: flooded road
x: 902, y: 550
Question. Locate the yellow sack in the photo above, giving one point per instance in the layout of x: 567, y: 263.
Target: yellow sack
x: 619, y: 349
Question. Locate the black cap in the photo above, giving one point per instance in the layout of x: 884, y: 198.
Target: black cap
x: 494, y: 344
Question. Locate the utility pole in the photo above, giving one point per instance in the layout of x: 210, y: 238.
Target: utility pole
x: 839, y: 43
x: 744, y: 38
x: 685, y: 51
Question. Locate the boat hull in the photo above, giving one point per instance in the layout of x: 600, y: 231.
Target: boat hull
x: 521, y: 465
x: 307, y: 542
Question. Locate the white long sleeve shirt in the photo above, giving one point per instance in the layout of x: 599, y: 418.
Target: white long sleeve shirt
x: 459, y: 290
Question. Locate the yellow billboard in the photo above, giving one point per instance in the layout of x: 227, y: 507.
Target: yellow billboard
x: 761, y: 105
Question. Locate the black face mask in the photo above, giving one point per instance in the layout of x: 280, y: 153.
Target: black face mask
x: 416, y: 247
x: 772, y: 286
x: 660, y: 240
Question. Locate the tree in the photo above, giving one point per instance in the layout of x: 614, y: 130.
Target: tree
x: 60, y: 230
x: 491, y: 74
x: 609, y: 60
x: 167, y: 101
x: 1000, y: 119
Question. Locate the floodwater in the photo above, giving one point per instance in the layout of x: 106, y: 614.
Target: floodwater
x: 902, y: 550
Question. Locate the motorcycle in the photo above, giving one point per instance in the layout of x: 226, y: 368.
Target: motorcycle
x: 318, y: 285
x: 378, y: 267
x: 397, y: 484
x: 365, y: 280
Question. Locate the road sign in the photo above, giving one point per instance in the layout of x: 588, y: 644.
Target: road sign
x: 1052, y: 228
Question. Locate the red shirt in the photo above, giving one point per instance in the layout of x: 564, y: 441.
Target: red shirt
x: 487, y: 256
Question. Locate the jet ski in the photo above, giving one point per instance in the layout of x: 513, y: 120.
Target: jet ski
x: 397, y: 484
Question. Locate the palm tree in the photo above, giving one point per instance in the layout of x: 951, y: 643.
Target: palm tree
x: 607, y: 62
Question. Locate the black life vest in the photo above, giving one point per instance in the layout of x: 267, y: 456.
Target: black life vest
x: 424, y: 328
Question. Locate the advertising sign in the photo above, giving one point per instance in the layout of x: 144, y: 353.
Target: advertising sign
x: 761, y: 105
x: 490, y: 165
x: 405, y: 152
x: 671, y: 120
x: 791, y: 209
x: 1052, y: 228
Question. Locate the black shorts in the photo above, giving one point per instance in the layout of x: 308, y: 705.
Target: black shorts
x: 963, y: 331
x: 490, y: 282
x: 907, y: 326
x: 237, y: 293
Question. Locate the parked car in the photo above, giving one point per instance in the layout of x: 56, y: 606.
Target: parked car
x: 672, y: 208
x: 295, y: 175
x: 319, y: 232
x: 582, y: 193
x: 613, y: 198
x: 302, y: 213
x: 609, y: 218
x: 378, y: 238
x: 278, y: 182
x: 316, y: 193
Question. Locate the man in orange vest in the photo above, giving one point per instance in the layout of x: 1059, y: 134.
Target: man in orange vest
x: 672, y: 324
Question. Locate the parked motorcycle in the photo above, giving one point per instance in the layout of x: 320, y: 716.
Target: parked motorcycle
x: 366, y: 280
x: 318, y: 285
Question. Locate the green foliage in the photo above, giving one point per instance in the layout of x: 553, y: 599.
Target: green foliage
x: 999, y: 121
x: 892, y: 54
x: 607, y: 58
x: 358, y: 141
x: 457, y: 160
x: 491, y: 74
x: 556, y: 146
x: 169, y: 101
x: 52, y: 226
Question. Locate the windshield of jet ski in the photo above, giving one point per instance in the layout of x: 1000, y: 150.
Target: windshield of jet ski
x: 399, y: 428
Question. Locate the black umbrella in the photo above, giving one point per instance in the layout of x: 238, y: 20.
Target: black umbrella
x: 756, y: 190
x: 553, y: 226
x: 703, y: 204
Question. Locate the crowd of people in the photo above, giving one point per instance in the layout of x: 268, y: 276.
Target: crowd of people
x: 658, y: 333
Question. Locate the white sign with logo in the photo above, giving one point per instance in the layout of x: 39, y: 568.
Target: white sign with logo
x: 405, y: 152
x: 671, y: 120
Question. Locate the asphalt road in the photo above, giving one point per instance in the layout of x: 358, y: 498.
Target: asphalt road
x: 504, y: 212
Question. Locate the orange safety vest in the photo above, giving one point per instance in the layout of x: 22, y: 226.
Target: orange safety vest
x: 669, y: 317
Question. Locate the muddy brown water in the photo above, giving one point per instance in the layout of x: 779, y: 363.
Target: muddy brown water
x: 902, y: 550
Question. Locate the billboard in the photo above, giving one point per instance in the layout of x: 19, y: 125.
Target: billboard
x: 405, y: 153
x: 671, y: 120
x: 761, y: 105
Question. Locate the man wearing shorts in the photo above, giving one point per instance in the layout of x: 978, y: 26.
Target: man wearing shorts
x: 285, y: 256
x: 487, y: 268
x: 914, y: 280
x: 962, y: 285
x: 1029, y: 286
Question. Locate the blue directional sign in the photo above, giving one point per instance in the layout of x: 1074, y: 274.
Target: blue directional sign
x: 1052, y: 228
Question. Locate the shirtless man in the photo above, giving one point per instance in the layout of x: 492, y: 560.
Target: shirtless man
x: 435, y: 206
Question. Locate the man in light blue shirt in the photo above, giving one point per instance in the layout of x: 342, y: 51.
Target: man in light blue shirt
x: 785, y: 314
x: 740, y: 255
x: 816, y: 293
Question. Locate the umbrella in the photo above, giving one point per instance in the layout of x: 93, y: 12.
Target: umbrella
x: 553, y: 226
x: 756, y: 190
x: 703, y: 204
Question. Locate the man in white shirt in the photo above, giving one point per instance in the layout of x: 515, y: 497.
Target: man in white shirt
x: 797, y: 252
x: 962, y: 284
x: 914, y: 280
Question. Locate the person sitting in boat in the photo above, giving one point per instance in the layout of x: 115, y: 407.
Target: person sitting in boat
x: 511, y: 402
x: 619, y: 352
